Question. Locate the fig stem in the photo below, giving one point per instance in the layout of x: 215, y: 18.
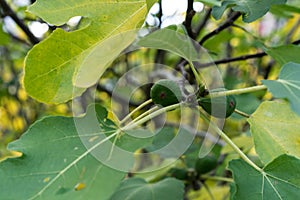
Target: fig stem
x: 216, y: 178
x: 241, y: 113
x: 149, y: 116
x: 198, y: 79
x: 135, y: 110
x: 144, y: 114
x: 231, y: 143
x: 237, y: 91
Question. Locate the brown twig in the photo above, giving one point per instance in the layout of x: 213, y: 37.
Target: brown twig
x: 188, y: 19
x: 203, y: 23
x: 225, y: 25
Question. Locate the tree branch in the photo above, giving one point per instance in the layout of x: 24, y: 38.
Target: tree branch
x: 229, y: 60
x: 188, y: 19
x: 9, y: 12
x: 239, y: 58
x: 226, y: 24
x: 203, y: 23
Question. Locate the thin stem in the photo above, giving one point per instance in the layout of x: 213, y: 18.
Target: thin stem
x: 241, y: 113
x: 135, y: 110
x: 234, y: 59
x: 188, y: 19
x: 143, y: 115
x: 217, y: 178
x: 149, y: 116
x: 230, y: 143
x: 195, y: 72
x: 237, y: 91
x: 226, y: 24
x: 203, y: 22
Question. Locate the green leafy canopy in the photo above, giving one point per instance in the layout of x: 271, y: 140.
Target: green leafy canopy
x: 62, y: 62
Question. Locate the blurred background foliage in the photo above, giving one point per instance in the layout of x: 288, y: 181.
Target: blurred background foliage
x: 18, y: 110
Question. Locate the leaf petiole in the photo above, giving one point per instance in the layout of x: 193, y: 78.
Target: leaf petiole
x: 231, y: 143
x: 149, y: 116
x: 237, y: 91
x: 135, y: 110
x: 241, y: 113
x: 198, y: 79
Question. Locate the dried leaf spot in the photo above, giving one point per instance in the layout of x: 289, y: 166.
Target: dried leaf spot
x: 79, y: 186
x: 47, y: 179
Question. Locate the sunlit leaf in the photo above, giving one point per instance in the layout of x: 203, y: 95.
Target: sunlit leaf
x: 66, y: 59
x: 275, y: 130
x: 280, y: 179
x: 287, y: 85
x: 136, y: 188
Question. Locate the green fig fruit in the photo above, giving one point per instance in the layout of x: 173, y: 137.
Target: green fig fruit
x: 181, y: 174
x: 165, y: 92
x: 219, y: 107
x: 206, y: 164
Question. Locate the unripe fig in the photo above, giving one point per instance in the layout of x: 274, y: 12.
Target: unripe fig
x: 165, y: 92
x: 206, y: 164
x: 216, y: 106
x: 181, y: 174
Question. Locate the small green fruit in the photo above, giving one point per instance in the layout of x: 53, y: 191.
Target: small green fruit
x: 206, y: 164
x: 216, y: 106
x: 165, y: 92
x: 181, y: 174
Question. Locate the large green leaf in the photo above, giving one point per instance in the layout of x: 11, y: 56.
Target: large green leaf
x: 280, y: 180
x: 66, y: 59
x: 137, y: 188
x: 286, y: 53
x: 287, y: 85
x: 57, y: 163
x: 251, y: 9
x: 275, y: 130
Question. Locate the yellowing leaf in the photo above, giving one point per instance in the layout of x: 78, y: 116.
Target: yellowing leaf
x: 275, y: 130
x: 60, y: 65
